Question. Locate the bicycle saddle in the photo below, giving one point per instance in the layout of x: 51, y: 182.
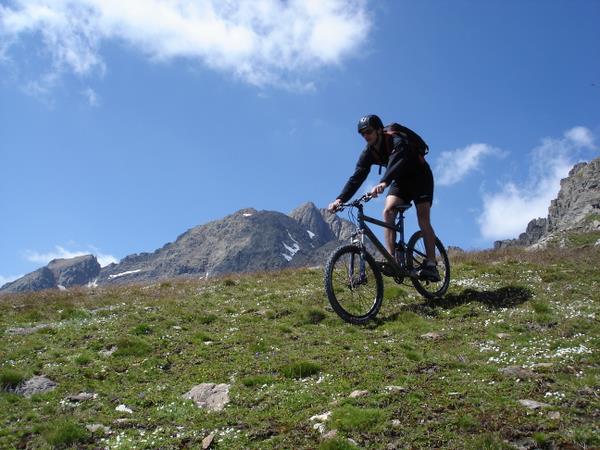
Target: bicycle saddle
x: 402, y: 208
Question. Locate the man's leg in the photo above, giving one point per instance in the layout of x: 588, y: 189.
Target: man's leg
x: 424, y: 219
x: 389, y: 216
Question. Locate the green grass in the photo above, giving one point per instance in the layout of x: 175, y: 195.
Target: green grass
x: 10, y: 378
x: 288, y: 357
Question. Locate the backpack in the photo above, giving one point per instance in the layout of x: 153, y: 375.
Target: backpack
x: 415, y: 142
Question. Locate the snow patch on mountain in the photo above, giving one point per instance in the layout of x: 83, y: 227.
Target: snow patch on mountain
x: 122, y: 274
x: 292, y: 249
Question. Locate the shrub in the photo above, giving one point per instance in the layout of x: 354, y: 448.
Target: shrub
x: 301, y: 369
x: 208, y: 319
x: 351, y: 418
x: 142, y: 329
x: 256, y: 380
x: 314, y: 316
x: 10, y: 379
x: 64, y: 433
x: 132, y: 347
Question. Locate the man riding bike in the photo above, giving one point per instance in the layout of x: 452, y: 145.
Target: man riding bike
x: 407, y: 175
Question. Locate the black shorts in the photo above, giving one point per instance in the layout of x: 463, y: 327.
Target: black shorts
x: 417, y: 187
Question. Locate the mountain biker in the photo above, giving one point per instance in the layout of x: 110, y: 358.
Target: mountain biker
x: 407, y: 175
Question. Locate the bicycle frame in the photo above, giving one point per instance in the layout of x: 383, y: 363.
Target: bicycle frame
x: 398, y: 266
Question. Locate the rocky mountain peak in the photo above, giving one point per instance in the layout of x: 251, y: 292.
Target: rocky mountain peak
x: 62, y: 273
x: 576, y: 209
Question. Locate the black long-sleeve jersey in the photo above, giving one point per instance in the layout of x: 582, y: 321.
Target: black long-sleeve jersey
x: 394, y: 153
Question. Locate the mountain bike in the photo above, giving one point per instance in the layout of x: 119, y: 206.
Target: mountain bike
x: 353, y: 279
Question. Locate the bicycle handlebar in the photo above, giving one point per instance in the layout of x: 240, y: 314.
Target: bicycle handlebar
x: 355, y: 203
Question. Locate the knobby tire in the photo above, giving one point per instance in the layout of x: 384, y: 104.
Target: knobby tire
x: 355, y: 298
x: 415, y: 257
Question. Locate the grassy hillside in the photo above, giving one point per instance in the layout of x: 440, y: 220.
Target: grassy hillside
x: 431, y: 373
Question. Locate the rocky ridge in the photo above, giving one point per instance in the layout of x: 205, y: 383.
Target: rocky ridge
x: 245, y: 241
x: 575, y: 210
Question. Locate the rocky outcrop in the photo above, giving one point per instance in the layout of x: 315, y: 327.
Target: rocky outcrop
x: 576, y: 209
x: 59, y: 272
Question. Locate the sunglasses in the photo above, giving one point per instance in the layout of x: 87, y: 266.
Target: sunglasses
x: 367, y: 131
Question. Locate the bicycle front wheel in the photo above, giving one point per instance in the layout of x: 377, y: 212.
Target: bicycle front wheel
x: 415, y: 258
x: 353, y: 284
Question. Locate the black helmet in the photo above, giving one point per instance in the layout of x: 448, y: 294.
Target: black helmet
x: 370, y: 120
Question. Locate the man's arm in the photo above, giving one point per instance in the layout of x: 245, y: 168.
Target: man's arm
x: 361, y: 172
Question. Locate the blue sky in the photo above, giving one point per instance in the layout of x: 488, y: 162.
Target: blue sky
x: 123, y: 126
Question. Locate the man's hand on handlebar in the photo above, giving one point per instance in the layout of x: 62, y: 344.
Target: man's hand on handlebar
x: 334, y: 206
x: 378, y: 189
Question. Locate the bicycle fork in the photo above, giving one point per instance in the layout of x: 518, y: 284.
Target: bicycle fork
x: 358, y: 239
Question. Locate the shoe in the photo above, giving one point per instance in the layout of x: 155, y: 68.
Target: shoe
x: 385, y: 268
x: 429, y: 272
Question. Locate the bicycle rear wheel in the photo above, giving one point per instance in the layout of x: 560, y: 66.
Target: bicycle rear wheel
x: 415, y: 258
x: 353, y: 284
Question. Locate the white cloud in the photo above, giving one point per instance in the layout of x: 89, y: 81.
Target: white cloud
x: 453, y: 166
x: 91, y: 96
x: 580, y: 136
x: 263, y: 42
x: 506, y: 213
x: 61, y: 252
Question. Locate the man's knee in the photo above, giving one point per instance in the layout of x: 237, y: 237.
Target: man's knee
x: 389, y: 213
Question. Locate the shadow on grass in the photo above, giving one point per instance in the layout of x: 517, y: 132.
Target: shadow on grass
x: 505, y: 297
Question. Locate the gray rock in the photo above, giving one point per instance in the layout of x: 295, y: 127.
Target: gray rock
x: 357, y: 394
x: 517, y: 372
x: 97, y: 428
x: 532, y: 404
x: 27, y: 330
x: 207, y: 441
x: 211, y: 396
x: 35, y: 385
x: 433, y: 336
x: 81, y: 397
x: 576, y: 209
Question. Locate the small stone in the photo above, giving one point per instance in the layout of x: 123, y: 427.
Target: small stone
x: 207, y: 441
x: 35, y: 385
x: 211, y: 396
x: 108, y: 352
x: 25, y: 331
x: 356, y: 394
x: 123, y: 408
x: 322, y: 417
x: 554, y: 415
x: 396, y: 389
x: 97, y: 428
x: 532, y: 404
x: 546, y: 365
x: 502, y: 335
x: 82, y: 397
x: 320, y: 427
x: 396, y: 423
x: 330, y: 434
x: 433, y: 335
